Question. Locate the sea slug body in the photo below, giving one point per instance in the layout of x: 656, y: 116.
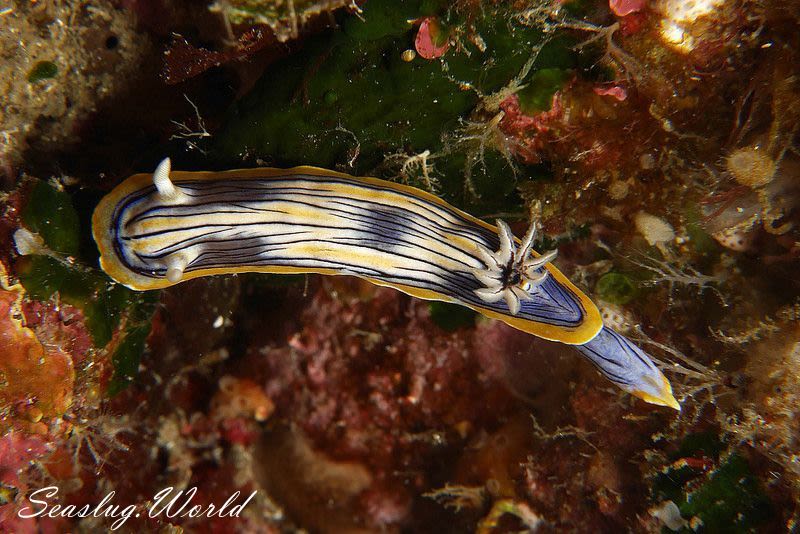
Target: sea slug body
x: 157, y: 230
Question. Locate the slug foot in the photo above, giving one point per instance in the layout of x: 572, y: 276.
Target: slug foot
x: 511, y: 273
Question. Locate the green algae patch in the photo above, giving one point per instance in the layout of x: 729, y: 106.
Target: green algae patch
x: 43, y: 70
x: 729, y: 501
x: 128, y: 353
x: 49, y: 212
x: 701, y: 242
x: 101, y: 301
x: 451, y: 317
x: 616, y: 288
x: 714, y: 493
x: 359, y: 97
x: 349, y: 101
x: 126, y: 359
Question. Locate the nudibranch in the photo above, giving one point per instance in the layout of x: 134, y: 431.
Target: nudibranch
x: 155, y: 231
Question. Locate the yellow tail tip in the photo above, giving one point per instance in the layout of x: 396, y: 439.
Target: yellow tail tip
x: 663, y: 397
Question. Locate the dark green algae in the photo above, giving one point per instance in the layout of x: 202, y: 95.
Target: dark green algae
x: 616, y: 288
x: 348, y: 100
x: 109, y: 308
x: 727, y: 497
x: 43, y: 70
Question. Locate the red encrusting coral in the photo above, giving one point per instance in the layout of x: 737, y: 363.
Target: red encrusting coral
x: 18, y: 451
x: 61, y: 325
x: 369, y: 378
x: 526, y: 130
x: 578, y: 127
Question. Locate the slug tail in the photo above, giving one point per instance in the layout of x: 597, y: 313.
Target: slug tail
x: 629, y: 367
x: 663, y: 397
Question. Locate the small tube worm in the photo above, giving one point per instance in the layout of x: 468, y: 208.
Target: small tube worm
x: 154, y: 231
